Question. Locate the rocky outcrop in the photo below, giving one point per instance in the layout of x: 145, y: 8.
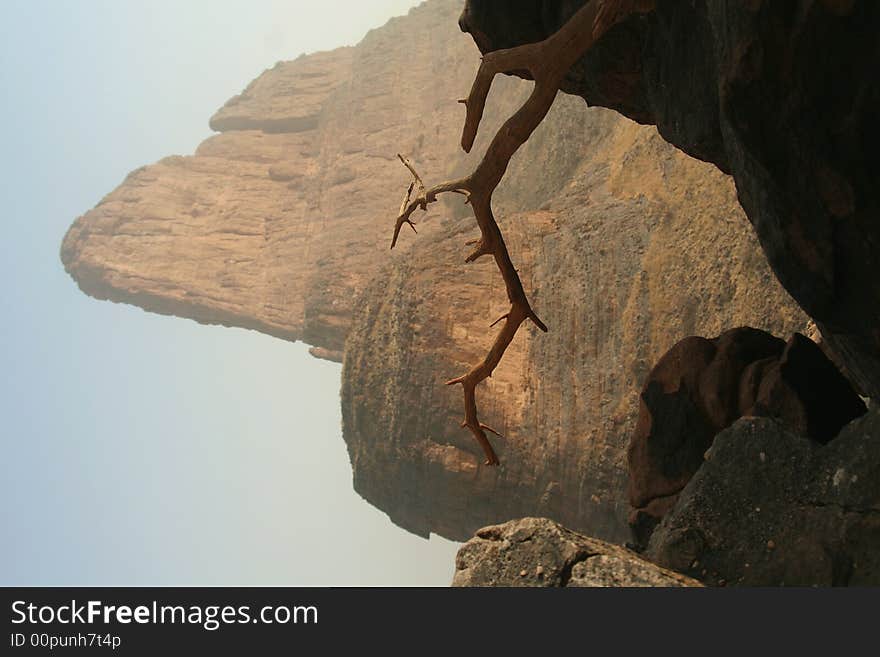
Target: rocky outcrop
x: 282, y: 222
x: 540, y: 552
x: 702, y: 386
x: 275, y: 223
x: 288, y: 98
x: 784, y: 96
x: 770, y: 507
x: 639, y: 247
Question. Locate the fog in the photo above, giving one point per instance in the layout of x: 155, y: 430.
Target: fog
x: 148, y: 450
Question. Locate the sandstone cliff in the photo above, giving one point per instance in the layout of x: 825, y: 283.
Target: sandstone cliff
x: 281, y: 223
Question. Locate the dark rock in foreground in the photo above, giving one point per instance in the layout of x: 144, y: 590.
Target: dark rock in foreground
x: 540, y: 552
x: 773, y: 508
x: 702, y: 386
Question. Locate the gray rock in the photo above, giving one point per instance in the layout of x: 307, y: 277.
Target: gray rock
x: 540, y: 552
x: 772, y: 508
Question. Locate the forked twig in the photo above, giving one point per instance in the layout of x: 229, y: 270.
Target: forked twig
x: 547, y: 62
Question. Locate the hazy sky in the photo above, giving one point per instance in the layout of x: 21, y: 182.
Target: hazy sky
x: 141, y: 449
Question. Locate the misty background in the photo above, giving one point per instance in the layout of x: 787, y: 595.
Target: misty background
x: 149, y: 450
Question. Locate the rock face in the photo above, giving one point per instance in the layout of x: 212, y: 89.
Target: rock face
x: 540, y: 552
x: 702, y: 386
x: 770, y: 507
x: 783, y: 95
x: 638, y: 248
x: 278, y: 222
x: 282, y: 222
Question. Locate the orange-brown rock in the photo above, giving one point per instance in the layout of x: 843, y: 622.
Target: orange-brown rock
x: 277, y: 222
x: 282, y: 223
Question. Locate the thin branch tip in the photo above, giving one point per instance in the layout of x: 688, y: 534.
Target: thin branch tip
x: 499, y: 320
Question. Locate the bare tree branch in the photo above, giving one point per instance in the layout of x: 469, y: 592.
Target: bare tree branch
x: 547, y: 62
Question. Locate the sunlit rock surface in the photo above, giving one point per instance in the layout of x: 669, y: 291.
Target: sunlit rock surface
x: 282, y: 223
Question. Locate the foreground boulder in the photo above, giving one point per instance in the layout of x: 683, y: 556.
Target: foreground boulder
x: 540, y: 552
x: 770, y: 507
x: 702, y: 386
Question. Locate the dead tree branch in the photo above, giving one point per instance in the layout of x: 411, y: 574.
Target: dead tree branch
x: 547, y: 62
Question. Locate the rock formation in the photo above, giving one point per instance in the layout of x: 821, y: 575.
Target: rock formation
x: 278, y: 222
x: 782, y: 95
x: 702, y: 386
x: 770, y: 507
x: 540, y: 552
x: 281, y: 223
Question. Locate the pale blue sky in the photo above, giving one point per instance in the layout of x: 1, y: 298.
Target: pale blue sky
x: 141, y: 449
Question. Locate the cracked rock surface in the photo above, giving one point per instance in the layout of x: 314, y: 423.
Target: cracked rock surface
x: 540, y: 552
x: 769, y: 507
